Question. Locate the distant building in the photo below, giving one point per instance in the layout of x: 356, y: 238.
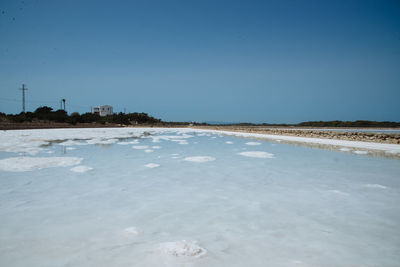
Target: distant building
x: 103, y: 110
x: 96, y: 110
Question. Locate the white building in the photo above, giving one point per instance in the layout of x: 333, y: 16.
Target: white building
x: 103, y: 110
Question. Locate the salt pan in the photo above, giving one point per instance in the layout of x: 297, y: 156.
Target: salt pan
x: 22, y: 164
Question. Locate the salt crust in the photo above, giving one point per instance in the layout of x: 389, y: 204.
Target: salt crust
x: 140, y: 147
x: 345, y: 149
x: 32, y: 141
x: 199, y: 159
x: 152, y: 165
x: 98, y: 141
x: 132, y: 230
x: 81, y: 169
x: 253, y: 143
x: 338, y: 192
x: 229, y: 142
x: 23, y: 164
x: 128, y: 143
x: 376, y: 186
x: 257, y: 154
x: 393, y: 148
x: 149, y: 150
x: 182, y: 249
x: 73, y: 143
x: 360, y: 152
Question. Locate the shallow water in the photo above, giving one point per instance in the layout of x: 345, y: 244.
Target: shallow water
x: 234, y: 203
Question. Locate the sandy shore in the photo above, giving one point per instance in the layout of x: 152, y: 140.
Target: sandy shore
x: 385, y: 138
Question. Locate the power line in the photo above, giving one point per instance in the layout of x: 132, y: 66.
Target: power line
x: 9, y: 99
x: 23, y: 96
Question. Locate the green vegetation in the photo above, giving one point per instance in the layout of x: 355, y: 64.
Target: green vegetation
x: 47, y: 114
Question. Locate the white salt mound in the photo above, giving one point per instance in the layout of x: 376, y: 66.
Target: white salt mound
x: 199, y: 159
x: 81, y: 169
x: 257, y: 154
x: 182, y: 249
x: 345, y: 149
x: 156, y: 147
x: 253, y: 143
x: 149, y: 150
x: 229, y: 142
x: 139, y: 147
x: 152, y: 165
x: 23, y: 164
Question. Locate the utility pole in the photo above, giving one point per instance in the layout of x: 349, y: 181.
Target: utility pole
x: 23, y: 96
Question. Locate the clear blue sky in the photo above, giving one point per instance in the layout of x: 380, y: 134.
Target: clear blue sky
x: 232, y: 61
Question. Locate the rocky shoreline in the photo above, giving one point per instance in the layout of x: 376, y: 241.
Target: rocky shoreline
x: 386, y: 138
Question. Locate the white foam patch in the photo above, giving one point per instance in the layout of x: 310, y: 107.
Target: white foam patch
x: 175, y: 154
x: 257, y: 154
x: 182, y: 249
x: 229, y: 142
x: 70, y: 148
x: 360, y: 152
x: 175, y: 157
x: 140, y: 147
x: 81, y: 169
x: 376, y: 186
x: 199, y: 159
x: 149, y: 150
x: 253, y: 143
x: 22, y: 164
x: 156, y: 147
x: 152, y: 165
x: 345, y: 149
